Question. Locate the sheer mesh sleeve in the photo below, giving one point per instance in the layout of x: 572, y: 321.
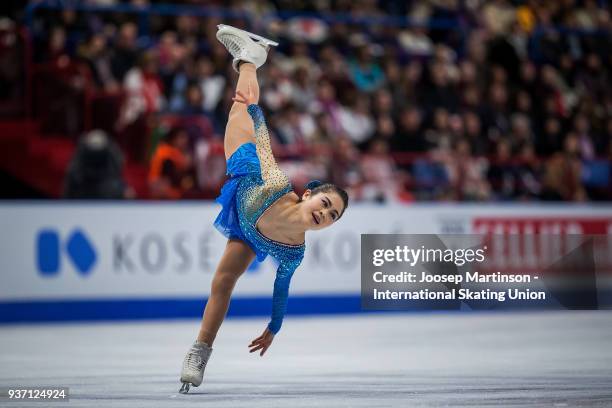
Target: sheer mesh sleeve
x: 281, y: 293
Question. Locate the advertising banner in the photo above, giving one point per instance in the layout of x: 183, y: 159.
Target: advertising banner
x: 143, y: 251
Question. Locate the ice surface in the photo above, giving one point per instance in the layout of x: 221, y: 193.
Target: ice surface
x: 377, y: 360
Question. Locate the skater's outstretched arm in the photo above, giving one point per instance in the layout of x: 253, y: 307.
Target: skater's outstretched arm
x: 279, y: 297
x: 270, y: 172
x: 279, y: 307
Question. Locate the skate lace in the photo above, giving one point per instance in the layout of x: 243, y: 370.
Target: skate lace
x: 232, y: 43
x: 194, y: 361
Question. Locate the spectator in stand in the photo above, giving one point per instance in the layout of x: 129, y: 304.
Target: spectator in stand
x: 194, y: 100
x: 521, y: 131
x: 144, y: 96
x: 298, y: 57
x: 293, y: 128
x: 56, y: 49
x: 144, y: 89
x: 563, y: 173
x: 345, y: 168
x: 520, y: 74
x: 409, y: 90
x: 550, y: 139
x: 171, y: 168
x: 277, y: 92
x: 125, y: 51
x: 303, y: 91
x: 439, y: 135
x: 96, y: 54
x: 385, y: 128
x: 440, y: 93
x: 211, y: 83
x: 178, y: 89
x: 356, y: 121
x: 95, y: 170
x: 467, y: 174
x: 528, y: 173
x: 473, y: 133
x: 327, y: 103
x: 171, y: 56
x: 585, y: 140
x: 496, y: 115
x: 378, y: 169
x: 523, y: 103
x: 502, y: 173
x: 382, y: 104
x: 365, y: 73
x: 410, y: 137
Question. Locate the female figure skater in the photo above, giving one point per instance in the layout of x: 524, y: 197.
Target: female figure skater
x: 261, y: 214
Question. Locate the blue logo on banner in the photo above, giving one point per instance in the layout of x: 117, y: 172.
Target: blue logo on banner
x: 78, y: 248
x: 47, y: 249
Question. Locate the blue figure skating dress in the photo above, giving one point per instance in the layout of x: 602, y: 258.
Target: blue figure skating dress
x: 256, y: 182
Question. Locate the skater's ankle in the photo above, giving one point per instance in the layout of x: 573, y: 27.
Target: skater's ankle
x: 245, y: 65
x: 206, y: 342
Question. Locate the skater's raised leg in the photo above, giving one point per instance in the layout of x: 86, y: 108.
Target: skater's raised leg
x: 250, y: 52
x: 239, y: 129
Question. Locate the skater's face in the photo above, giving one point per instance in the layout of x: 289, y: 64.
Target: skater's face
x: 322, y: 209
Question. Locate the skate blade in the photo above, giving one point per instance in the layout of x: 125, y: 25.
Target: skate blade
x: 184, y: 388
x: 265, y: 41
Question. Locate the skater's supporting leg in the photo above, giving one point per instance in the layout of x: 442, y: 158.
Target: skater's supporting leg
x: 239, y: 129
x: 235, y: 260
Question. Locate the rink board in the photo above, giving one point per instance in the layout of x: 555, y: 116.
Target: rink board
x: 114, y: 260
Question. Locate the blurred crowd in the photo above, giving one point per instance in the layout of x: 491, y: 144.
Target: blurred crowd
x: 396, y: 101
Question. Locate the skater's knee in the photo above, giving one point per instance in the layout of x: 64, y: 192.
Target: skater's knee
x: 224, y: 282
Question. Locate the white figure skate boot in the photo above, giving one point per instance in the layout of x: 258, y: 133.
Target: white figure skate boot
x: 194, y: 365
x: 244, y: 46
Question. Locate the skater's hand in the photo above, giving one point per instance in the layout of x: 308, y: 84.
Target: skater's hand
x: 262, y: 342
x: 247, y: 99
